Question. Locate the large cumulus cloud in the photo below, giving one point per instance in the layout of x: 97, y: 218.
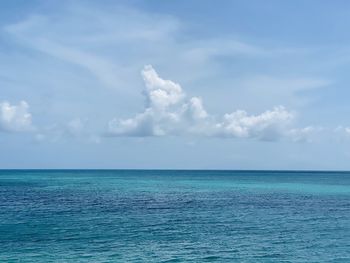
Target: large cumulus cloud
x: 168, y: 111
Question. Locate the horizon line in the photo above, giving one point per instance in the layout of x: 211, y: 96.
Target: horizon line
x: 172, y: 169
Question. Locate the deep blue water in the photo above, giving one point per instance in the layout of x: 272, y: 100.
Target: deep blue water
x: 174, y: 216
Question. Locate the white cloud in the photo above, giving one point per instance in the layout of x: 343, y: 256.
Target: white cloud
x: 169, y: 112
x: 160, y: 93
x: 15, y: 118
x: 195, y: 109
x: 267, y: 126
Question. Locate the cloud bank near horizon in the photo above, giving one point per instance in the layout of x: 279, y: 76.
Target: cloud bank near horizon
x: 169, y: 111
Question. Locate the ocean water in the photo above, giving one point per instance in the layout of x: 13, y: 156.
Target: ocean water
x: 174, y: 216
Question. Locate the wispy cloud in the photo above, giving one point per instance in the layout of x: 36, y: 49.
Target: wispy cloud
x: 27, y: 32
x: 92, y: 38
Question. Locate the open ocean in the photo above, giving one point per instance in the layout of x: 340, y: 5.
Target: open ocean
x: 174, y: 216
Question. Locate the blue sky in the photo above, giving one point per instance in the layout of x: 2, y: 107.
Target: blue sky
x: 175, y: 84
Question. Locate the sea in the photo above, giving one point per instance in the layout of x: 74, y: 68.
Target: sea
x: 174, y: 216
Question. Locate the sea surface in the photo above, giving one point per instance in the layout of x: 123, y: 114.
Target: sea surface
x: 174, y: 216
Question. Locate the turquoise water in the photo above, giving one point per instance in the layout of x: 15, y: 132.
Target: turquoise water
x: 174, y: 216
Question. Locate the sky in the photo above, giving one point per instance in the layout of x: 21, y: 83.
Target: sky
x: 187, y: 84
